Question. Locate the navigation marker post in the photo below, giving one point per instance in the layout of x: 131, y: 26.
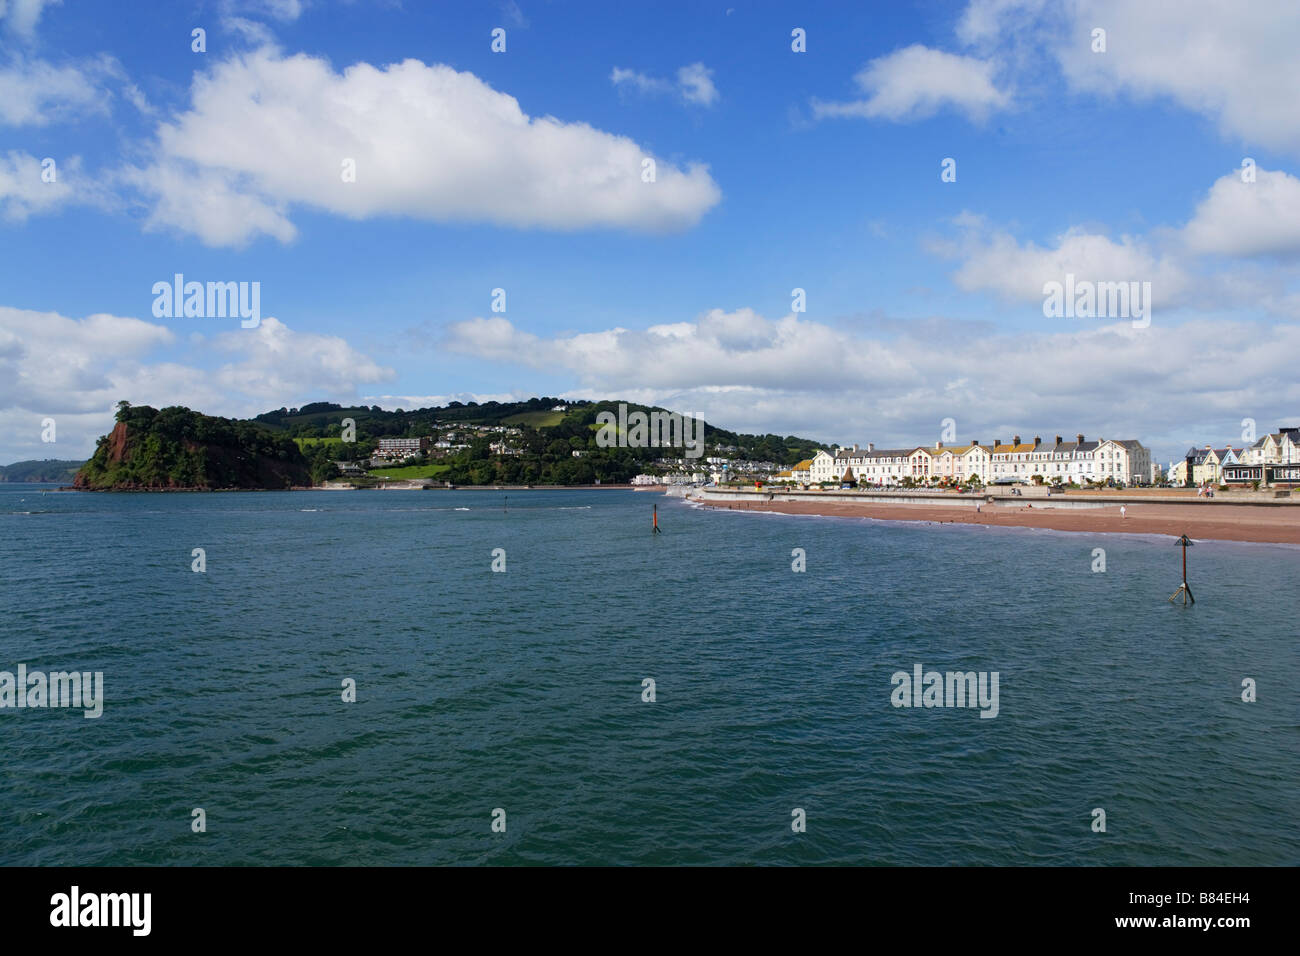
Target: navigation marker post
x: 1183, y: 589
x: 656, y: 520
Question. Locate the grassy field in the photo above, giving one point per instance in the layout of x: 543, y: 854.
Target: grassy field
x: 412, y: 471
x: 535, y: 419
x: 304, y: 443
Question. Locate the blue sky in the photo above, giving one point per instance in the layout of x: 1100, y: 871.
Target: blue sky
x: 776, y: 170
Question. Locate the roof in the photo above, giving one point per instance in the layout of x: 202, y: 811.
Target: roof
x: 805, y: 465
x: 845, y: 453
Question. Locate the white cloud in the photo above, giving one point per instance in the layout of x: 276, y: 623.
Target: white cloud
x: 984, y: 20
x: 76, y: 370
x: 135, y: 96
x: 36, y: 92
x: 54, y: 365
x: 410, y: 402
x: 641, y: 82
x: 21, y: 16
x: 266, y: 132
x: 514, y: 17
x: 1235, y: 64
x: 1241, y: 219
x: 275, y: 361
x: 995, y: 261
x: 895, y: 385
x: 284, y: 10
x: 1236, y: 221
x: 209, y: 204
x: 916, y: 82
x: 253, y: 32
x: 694, y: 83
x: 23, y: 190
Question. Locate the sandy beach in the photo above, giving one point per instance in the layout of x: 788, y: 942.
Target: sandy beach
x: 1228, y: 523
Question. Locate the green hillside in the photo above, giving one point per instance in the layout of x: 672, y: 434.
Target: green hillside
x: 50, y: 469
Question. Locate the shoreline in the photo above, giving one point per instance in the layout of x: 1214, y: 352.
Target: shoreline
x: 1258, y: 524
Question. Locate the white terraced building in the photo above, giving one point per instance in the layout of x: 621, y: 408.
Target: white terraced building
x: 1079, y: 461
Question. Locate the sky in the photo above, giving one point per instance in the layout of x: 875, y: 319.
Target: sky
x: 919, y: 172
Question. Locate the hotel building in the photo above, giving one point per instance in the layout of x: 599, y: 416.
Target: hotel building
x: 1080, y: 461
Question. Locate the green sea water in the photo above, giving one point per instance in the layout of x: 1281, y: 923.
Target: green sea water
x: 524, y: 690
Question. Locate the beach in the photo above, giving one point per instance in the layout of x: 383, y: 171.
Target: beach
x: 1258, y: 523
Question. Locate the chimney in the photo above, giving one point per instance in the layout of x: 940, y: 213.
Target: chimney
x: 938, y: 445
x: 1037, y: 441
x: 996, y: 442
x: 974, y: 441
x: 871, y: 446
x: 1017, y: 440
x: 1079, y: 438
x: 1058, y: 439
x: 855, y: 446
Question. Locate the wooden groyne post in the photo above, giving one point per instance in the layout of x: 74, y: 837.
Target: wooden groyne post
x: 1183, y: 589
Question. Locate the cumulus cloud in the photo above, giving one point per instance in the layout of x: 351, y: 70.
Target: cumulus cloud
x: 993, y: 260
x: 24, y: 189
x: 641, y: 82
x: 1238, y: 67
x: 21, y: 16
x: 274, y: 361
x: 1235, y: 67
x: 76, y: 370
x: 893, y: 383
x: 267, y: 132
x: 54, y: 364
x: 1242, y: 219
x: 36, y: 92
x: 694, y: 83
x: 916, y: 82
x: 1205, y: 264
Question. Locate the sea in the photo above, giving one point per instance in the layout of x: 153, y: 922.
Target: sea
x: 535, y: 677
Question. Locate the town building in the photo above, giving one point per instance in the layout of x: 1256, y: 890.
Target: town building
x: 398, y: 448
x: 1079, y: 461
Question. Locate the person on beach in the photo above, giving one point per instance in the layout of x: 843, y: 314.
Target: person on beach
x: 1122, y: 511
